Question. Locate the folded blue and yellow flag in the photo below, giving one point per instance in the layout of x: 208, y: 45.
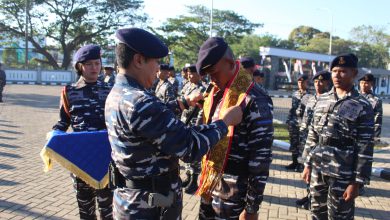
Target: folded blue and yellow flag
x: 86, y: 154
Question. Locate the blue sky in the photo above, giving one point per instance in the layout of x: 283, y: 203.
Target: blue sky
x: 281, y: 16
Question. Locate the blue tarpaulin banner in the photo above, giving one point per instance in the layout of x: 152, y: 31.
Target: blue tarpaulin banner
x: 86, y: 154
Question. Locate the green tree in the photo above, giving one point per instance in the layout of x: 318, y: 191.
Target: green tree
x: 370, y: 35
x: 301, y: 35
x: 374, y: 56
x: 185, y: 34
x: 66, y: 23
x: 321, y: 45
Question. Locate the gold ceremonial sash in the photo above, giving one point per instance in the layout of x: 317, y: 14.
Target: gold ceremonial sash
x: 214, y: 162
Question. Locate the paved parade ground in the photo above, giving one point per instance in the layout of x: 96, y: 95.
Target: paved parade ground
x: 26, y: 192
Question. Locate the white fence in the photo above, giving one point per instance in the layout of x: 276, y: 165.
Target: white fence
x: 53, y: 77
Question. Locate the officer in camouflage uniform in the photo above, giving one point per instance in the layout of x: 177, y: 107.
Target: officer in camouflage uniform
x: 322, y: 84
x: 239, y: 193
x: 185, y: 81
x: 366, y: 83
x: 109, y: 76
x: 298, y: 105
x: 258, y: 77
x: 3, y: 81
x: 340, y: 144
x: 192, y: 170
x: 164, y: 89
x: 82, y: 108
x: 172, y: 79
x: 146, y: 138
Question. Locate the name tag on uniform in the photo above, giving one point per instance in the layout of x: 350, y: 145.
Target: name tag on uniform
x: 350, y: 110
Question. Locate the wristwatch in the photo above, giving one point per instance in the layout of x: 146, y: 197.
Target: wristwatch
x: 250, y: 210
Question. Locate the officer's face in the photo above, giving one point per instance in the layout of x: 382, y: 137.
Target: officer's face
x: 221, y: 72
x: 194, y: 77
x: 365, y: 86
x: 302, y: 85
x: 163, y: 74
x: 321, y: 86
x: 343, y: 77
x: 149, y: 68
x: 258, y: 79
x: 91, y: 69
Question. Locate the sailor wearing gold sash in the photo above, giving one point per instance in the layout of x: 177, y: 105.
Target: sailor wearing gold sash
x: 234, y: 172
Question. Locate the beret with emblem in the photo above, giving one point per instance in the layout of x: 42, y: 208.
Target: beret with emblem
x: 258, y: 73
x: 164, y: 66
x: 247, y: 62
x: 87, y: 52
x: 367, y: 77
x: 322, y: 75
x: 192, y: 68
x: 211, y: 51
x: 142, y: 42
x: 345, y: 60
x: 302, y: 77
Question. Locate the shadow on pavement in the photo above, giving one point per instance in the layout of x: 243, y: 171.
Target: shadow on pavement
x: 9, y: 146
x: 2, y: 154
x: 10, y: 126
x: 6, y: 167
x: 10, y: 132
x: 287, y: 182
x: 7, y: 138
x: 24, y: 210
x: 8, y: 183
x: 34, y: 100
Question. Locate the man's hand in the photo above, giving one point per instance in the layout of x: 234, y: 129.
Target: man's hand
x: 232, y: 115
x: 247, y: 216
x: 194, y: 98
x: 351, y: 192
x: 306, y: 174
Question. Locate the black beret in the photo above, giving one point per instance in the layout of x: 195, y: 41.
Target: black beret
x: 258, y: 73
x: 322, y: 75
x: 367, y: 77
x: 211, y: 51
x: 192, y: 68
x: 142, y: 42
x: 164, y: 67
x: 345, y: 60
x: 247, y: 62
x: 108, y: 68
x: 87, y: 52
x: 171, y: 68
x: 184, y: 69
x: 302, y: 77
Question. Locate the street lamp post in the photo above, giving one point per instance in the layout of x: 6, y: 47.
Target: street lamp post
x: 211, y: 18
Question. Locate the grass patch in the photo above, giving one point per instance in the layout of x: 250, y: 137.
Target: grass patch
x: 281, y: 132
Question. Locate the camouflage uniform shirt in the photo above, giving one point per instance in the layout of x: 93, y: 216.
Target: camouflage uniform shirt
x: 340, y: 139
x: 376, y: 104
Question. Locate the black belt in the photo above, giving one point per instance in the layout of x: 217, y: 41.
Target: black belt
x: 156, y: 184
x: 334, y: 142
x: 236, y: 169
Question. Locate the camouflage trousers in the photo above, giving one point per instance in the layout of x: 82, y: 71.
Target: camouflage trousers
x: 327, y: 200
x: 133, y: 204
x: 86, y: 199
x: 293, y: 131
x: 228, y: 200
x: 1, y: 93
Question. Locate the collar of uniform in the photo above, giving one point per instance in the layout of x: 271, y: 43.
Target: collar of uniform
x: 81, y: 83
x: 125, y: 79
x: 352, y: 93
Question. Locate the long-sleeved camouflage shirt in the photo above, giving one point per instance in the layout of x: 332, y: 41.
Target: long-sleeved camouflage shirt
x: 247, y: 168
x: 298, y: 105
x: 306, y: 121
x: 165, y: 91
x: 197, y: 117
x: 145, y: 136
x: 376, y: 104
x: 83, y: 108
x: 340, y: 139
